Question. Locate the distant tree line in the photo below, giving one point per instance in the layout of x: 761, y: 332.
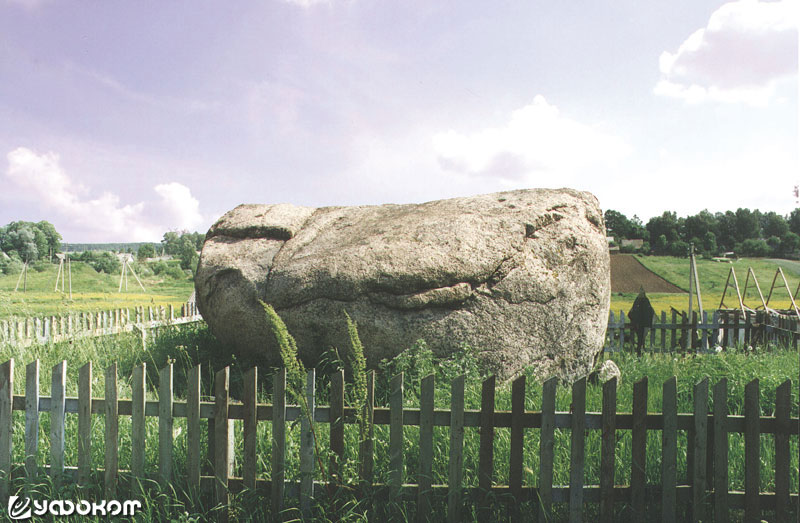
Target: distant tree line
x: 745, y: 232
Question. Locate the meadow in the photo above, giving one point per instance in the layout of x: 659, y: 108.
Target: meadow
x: 91, y: 291
x: 190, y: 345
x: 712, y: 276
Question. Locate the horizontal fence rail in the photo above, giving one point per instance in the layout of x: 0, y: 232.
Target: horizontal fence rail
x: 707, y: 333
x: 23, y: 332
x: 705, y: 489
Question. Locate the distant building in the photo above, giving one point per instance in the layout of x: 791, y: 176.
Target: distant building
x: 636, y: 244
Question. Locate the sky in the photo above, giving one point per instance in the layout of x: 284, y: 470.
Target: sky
x: 120, y: 121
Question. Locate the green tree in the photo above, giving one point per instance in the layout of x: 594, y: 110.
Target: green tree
x: 145, y: 251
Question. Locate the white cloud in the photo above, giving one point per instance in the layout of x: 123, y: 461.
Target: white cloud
x: 40, y: 178
x: 537, y: 139
x: 744, y: 50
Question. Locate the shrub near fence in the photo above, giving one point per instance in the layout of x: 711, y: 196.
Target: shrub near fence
x: 703, y: 492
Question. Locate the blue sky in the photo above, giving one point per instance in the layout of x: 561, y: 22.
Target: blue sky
x: 119, y: 121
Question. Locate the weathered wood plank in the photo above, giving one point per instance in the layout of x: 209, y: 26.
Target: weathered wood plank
x: 278, y: 439
x: 699, y: 444
x: 112, y: 432
x: 752, y: 452
x: 486, y: 445
x: 337, y: 426
x: 456, y: 465
x: 307, y: 447
x: 165, y: 424
x: 669, y: 450
x: 515, y: 453
x: 193, y: 428
x: 6, y: 425
x: 221, y: 449
x: 783, y: 404
x: 58, y: 391
x: 721, y: 513
x: 396, y: 433
x: 425, y: 475
x: 607, y: 451
x: 32, y: 420
x: 639, y: 450
x: 138, y: 430
x: 577, y: 451
x: 546, y: 444
x: 249, y: 426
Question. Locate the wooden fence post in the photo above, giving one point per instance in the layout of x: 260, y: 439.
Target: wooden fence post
x: 250, y: 427
x: 85, y: 424
x: 138, y: 428
x: 221, y: 448
x: 783, y: 404
x: 456, y: 465
x: 57, y: 410
x: 639, y: 450
x: 752, y: 452
x: 424, y: 476
x: 546, y: 443
x: 607, y: 450
x: 112, y: 432
x: 165, y: 422
x: 396, y: 434
x: 193, y: 428
x: 699, y: 444
x: 721, y: 514
x: 307, y: 449
x: 278, y: 439
x: 337, y: 427
x: 486, y: 446
x: 515, y: 453
x: 32, y: 419
x: 577, y: 451
x: 669, y: 450
x: 366, y: 447
x: 6, y: 425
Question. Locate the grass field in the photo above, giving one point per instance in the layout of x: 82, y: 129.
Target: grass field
x: 91, y: 291
x: 190, y: 345
x: 712, y: 276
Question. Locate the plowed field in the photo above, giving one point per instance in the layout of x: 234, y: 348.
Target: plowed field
x: 628, y: 275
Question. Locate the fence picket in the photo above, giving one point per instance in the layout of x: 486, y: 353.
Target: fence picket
x: 278, y: 438
x: 607, y: 450
x: 639, y: 449
x: 32, y: 420
x: 454, y: 493
x: 515, y: 453
x: 249, y: 427
x: 699, y: 444
x: 221, y: 457
x: 307, y: 447
x: 486, y: 445
x: 396, y: 433
x: 669, y: 450
x: 112, y: 432
x: 424, y: 477
x: 57, y: 411
x: 366, y: 446
x: 165, y: 423
x: 193, y: 428
x: 721, y: 451
x: 752, y: 452
x: 337, y: 426
x: 783, y: 403
x: 6, y: 425
x: 577, y: 448
x: 138, y: 430
x: 546, y: 450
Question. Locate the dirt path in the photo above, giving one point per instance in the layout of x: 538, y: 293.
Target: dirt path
x: 628, y: 275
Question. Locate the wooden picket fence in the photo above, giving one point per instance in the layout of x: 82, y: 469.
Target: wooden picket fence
x: 26, y: 331
x: 705, y: 488
x: 721, y: 328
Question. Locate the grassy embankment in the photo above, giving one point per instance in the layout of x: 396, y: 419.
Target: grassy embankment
x: 91, y: 291
x: 194, y: 344
x: 712, y: 276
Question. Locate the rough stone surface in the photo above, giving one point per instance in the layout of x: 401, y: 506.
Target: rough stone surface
x: 521, y: 275
x: 609, y: 370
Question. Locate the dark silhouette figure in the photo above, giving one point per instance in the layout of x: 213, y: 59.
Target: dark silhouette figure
x: 641, y: 316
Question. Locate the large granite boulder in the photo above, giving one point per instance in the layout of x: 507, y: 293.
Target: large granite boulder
x: 523, y: 276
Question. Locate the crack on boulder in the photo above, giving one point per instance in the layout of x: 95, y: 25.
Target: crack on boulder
x: 540, y: 223
x: 269, y: 269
